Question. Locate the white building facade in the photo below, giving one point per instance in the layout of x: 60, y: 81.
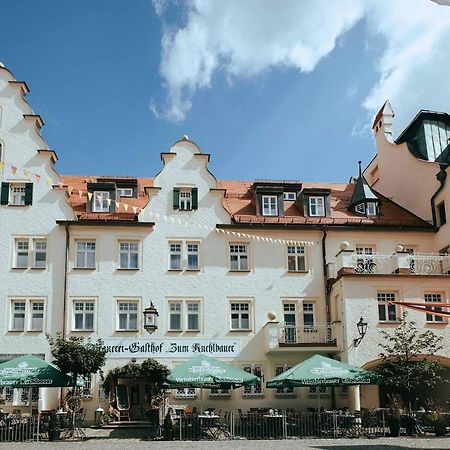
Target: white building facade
x: 262, y: 274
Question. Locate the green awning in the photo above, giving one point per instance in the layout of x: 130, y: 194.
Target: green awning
x: 29, y: 371
x: 205, y: 372
x: 321, y: 371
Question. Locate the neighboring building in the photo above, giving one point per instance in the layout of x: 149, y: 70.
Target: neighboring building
x: 261, y: 273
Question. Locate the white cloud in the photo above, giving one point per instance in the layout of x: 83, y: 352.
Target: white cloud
x: 246, y: 38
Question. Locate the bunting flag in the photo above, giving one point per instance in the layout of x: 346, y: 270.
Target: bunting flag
x: 48, y: 181
x: 26, y: 174
x: 125, y: 207
x: 2, y: 165
x: 37, y: 178
x: 425, y: 307
x: 13, y: 170
x: 89, y: 196
x: 108, y: 201
x: 69, y: 190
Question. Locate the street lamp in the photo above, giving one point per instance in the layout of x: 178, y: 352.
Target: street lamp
x: 150, y: 315
x: 362, y: 330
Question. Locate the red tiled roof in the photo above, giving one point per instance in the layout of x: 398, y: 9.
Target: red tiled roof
x: 79, y: 184
x: 239, y: 202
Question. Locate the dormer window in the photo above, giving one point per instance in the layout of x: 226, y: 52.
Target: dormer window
x: 270, y: 205
x: 371, y: 209
x: 317, y: 206
x: 101, y: 203
x: 185, y: 199
x: 125, y: 192
x: 290, y: 196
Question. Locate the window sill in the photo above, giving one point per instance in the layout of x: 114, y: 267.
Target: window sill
x: 239, y: 271
x: 192, y: 270
x: 388, y: 322
x: 174, y: 270
x: 135, y: 269
x: 19, y: 268
x: 84, y: 268
x: 16, y: 206
x: 286, y: 395
x: 38, y: 268
x: 134, y: 330
x: 297, y: 271
x: 252, y: 395
x: 436, y: 323
x: 82, y: 331
x: 241, y: 330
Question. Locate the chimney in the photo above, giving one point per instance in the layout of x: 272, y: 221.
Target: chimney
x: 383, y: 121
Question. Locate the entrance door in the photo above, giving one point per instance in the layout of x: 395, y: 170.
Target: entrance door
x: 135, y: 402
x: 290, y: 323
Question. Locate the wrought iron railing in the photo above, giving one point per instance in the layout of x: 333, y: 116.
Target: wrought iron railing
x: 18, y: 429
x: 307, y: 334
x: 429, y: 264
x: 376, y: 263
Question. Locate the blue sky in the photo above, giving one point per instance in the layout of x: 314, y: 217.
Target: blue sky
x: 273, y: 94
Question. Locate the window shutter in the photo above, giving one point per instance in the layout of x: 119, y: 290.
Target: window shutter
x: 176, y: 198
x: 194, y: 194
x: 28, y: 193
x: 112, y: 197
x: 280, y: 201
x: 327, y: 206
x: 259, y: 205
x: 4, y: 194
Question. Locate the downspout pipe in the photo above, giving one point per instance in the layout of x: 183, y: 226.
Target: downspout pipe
x: 441, y: 177
x: 66, y: 265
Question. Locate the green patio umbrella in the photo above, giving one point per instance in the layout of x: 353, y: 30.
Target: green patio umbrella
x: 205, y: 372
x: 321, y: 371
x: 29, y: 371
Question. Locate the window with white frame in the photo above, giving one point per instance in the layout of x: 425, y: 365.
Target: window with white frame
x: 83, y: 315
x: 85, y: 254
x: 125, y: 192
x: 316, y: 206
x: 269, y: 205
x: 184, y: 315
x: 318, y: 391
x: 175, y: 255
x: 309, y: 319
x: 289, y: 196
x: 220, y: 392
x: 255, y: 390
x: 101, y: 203
x: 27, y: 314
x: 185, y: 393
x: 30, y: 252
x: 128, y: 255
x: 364, y: 263
x: 86, y: 390
x: 127, y: 312
x: 387, y: 312
x: 240, y: 315
x: 296, y: 258
x: 192, y: 256
x: 287, y: 391
x: 371, y: 209
x: 17, y: 194
x: 239, y: 257
x: 433, y: 298
x: 186, y: 200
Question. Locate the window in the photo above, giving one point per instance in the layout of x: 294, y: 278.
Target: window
x: 386, y: 312
x: 128, y: 255
x: 85, y: 255
x: 175, y: 255
x: 308, y: 317
x: 240, y: 316
x: 434, y: 298
x: 83, y: 315
x: 127, y: 315
x: 185, y: 393
x: 184, y: 256
x: 318, y: 391
x: 185, y: 199
x: 269, y: 205
x: 219, y: 393
x: 256, y: 389
x: 101, y: 203
x: 125, y: 192
x: 239, y: 257
x: 86, y: 390
x: 27, y: 314
x: 30, y: 252
x: 192, y: 256
x: 296, y: 258
x: 371, y: 209
x: 364, y: 263
x: 317, y: 206
x: 184, y: 315
x: 17, y: 194
x: 37, y: 315
x: 288, y: 391
x: 290, y: 196
x: 442, y: 218
x: 290, y: 323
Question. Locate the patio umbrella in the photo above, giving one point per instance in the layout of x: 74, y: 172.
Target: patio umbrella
x: 321, y: 371
x: 205, y: 372
x: 29, y: 371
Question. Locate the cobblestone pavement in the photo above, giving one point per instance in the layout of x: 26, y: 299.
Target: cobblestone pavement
x: 111, y: 441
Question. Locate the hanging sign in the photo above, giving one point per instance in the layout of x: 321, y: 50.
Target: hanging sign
x: 171, y: 348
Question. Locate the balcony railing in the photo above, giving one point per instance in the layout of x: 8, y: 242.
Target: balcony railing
x: 404, y: 263
x: 314, y: 335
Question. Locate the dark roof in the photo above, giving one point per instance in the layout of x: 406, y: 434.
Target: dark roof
x: 362, y: 191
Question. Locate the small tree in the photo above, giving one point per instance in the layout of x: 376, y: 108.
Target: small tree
x: 406, y: 364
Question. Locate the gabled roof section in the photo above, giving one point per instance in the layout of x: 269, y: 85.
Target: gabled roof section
x: 362, y: 192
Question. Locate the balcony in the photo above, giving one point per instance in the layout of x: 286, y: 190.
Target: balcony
x: 349, y: 262
x: 281, y: 337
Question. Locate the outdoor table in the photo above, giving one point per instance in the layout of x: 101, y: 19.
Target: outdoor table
x: 209, y: 426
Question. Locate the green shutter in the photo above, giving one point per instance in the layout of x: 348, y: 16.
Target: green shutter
x: 4, y: 194
x: 28, y: 193
x: 194, y: 194
x: 176, y: 198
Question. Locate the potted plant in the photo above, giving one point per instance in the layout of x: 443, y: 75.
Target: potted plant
x: 54, y: 427
x: 168, y: 426
x: 395, y: 416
